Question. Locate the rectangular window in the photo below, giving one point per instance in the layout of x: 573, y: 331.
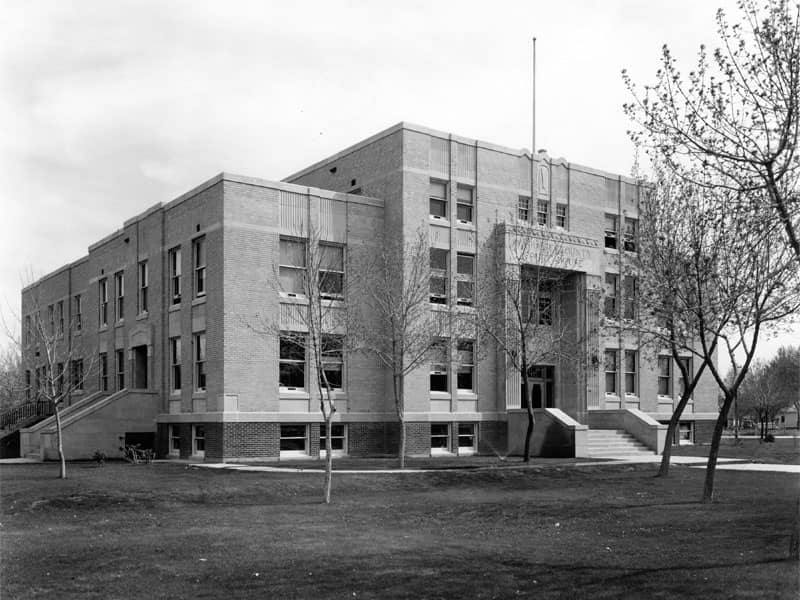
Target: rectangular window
x: 337, y: 438
x: 466, y: 366
x: 611, y: 231
x: 561, y: 216
x: 544, y: 308
x: 466, y: 438
x: 200, y: 362
x: 119, y: 286
x: 631, y: 234
x: 439, y: 276
x: 439, y: 363
x: 103, y: 302
x: 294, y: 440
x: 76, y: 368
x: 103, y: 368
x: 465, y: 279
x: 543, y: 212
x: 175, y: 275
x: 331, y: 271
x: 630, y: 372
x: 199, y: 258
x: 333, y: 360
x: 523, y: 208
x: 464, y: 203
x: 60, y: 316
x: 611, y: 371
x: 292, y: 365
x: 143, y: 283
x: 175, y: 363
x: 51, y: 319
x: 440, y: 438
x: 120, y: 360
x: 611, y: 292
x: 174, y: 440
x: 437, y: 200
x: 78, y: 318
x: 292, y: 269
x: 28, y: 330
x: 687, y: 362
x: 664, y: 376
x: 198, y: 440
x: 27, y: 385
x: 629, y: 300
x: 60, y: 378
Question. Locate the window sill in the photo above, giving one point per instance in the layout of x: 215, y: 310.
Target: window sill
x: 102, y: 328
x: 440, y: 396
x: 175, y: 394
x: 438, y: 221
x: 294, y: 454
x: 440, y: 452
x: 142, y: 316
x: 612, y: 395
x: 199, y: 394
x: 611, y: 250
x: 467, y: 395
x: 293, y: 394
x: 199, y: 301
x: 174, y: 307
x: 288, y: 298
x: 468, y: 225
x: 333, y: 302
x: 120, y: 323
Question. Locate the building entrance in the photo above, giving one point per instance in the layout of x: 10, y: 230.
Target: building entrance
x: 541, y: 386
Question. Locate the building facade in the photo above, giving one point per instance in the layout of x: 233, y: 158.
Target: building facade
x: 182, y: 310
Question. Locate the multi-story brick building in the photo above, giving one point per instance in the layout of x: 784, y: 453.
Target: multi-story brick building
x: 167, y: 306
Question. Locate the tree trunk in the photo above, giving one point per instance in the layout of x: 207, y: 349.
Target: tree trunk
x: 328, y: 456
x: 397, y: 381
x: 526, y: 456
x: 402, y: 443
x: 666, y: 455
x: 736, y: 420
x: 716, y: 438
x: 63, y: 472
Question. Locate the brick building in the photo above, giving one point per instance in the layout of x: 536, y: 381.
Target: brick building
x: 166, y: 306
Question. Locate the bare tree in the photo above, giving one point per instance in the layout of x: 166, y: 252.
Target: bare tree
x: 518, y: 305
x: 12, y: 380
x: 733, y: 122
x: 769, y: 387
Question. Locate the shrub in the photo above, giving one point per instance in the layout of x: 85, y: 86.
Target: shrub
x: 769, y: 438
x: 99, y: 457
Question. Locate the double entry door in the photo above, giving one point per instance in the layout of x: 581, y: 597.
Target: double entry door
x: 541, y: 385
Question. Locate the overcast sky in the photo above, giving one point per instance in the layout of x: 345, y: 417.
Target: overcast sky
x: 107, y: 108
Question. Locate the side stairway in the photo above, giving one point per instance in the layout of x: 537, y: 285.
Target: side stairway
x: 615, y: 443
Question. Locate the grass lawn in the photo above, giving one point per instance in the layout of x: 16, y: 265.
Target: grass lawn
x: 782, y: 450
x: 170, y: 530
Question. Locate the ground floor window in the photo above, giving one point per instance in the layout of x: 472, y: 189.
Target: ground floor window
x: 294, y: 440
x: 338, y: 439
x: 440, y: 438
x: 685, y: 433
x: 174, y: 440
x: 467, y: 438
x: 199, y: 440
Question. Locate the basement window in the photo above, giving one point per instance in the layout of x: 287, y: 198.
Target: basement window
x: 440, y: 438
x: 294, y: 441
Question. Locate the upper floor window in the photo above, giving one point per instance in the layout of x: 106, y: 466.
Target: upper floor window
x: 561, y: 216
x: 292, y: 362
x: 545, y: 308
x: 51, y: 319
x: 103, y: 301
x: 200, y: 361
x: 103, y: 371
x: 332, y: 360
x: 60, y: 316
x: 28, y: 330
x: 464, y: 203
x: 465, y: 283
x: 175, y: 363
x: 331, y: 271
x: 439, y: 275
x: 119, y: 286
x: 629, y: 300
x: 630, y: 372
x: 292, y: 269
x: 687, y: 363
x: 175, y: 275
x: 439, y: 363
x: 78, y: 317
x: 611, y: 231
x: 437, y: 200
x: 523, y: 208
x: 76, y: 368
x: 466, y: 366
x: 611, y: 358
x: 631, y: 234
x: 664, y: 376
x: 543, y: 212
x: 144, y: 277
x: 199, y: 256
x: 611, y: 293
x: 120, y: 360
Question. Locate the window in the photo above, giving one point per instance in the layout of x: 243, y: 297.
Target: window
x: 60, y: 378
x: 561, y: 216
x: 292, y: 268
x: 466, y: 438
x: 175, y: 275
x: 664, y: 376
x: 60, y: 316
x: 611, y: 231
x: 629, y: 300
x: 143, y: 282
x: 27, y: 385
x: 631, y: 230
x: 464, y: 203
x: 200, y: 362
x: 120, y: 369
x: 199, y: 257
x: 332, y: 360
x: 78, y: 319
x: 76, y: 372
x: 611, y: 290
x: 630, y: 372
x: 439, y: 362
x: 611, y: 371
x: 466, y: 366
x: 331, y: 271
x: 687, y: 363
x: 119, y: 286
x: 293, y: 440
x: 440, y: 438
x: 175, y: 363
x: 103, y: 302
x: 198, y: 440
x: 439, y: 272
x: 103, y: 367
x: 543, y: 212
x: 438, y: 200
x: 51, y: 319
x: 523, y: 208
x: 685, y: 432
x: 292, y: 366
x: 544, y: 308
x: 465, y: 279
x: 28, y: 330
x: 174, y: 440
x: 337, y: 439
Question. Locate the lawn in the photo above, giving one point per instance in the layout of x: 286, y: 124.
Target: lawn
x: 170, y: 530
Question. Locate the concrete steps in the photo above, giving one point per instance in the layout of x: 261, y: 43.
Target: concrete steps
x: 616, y: 443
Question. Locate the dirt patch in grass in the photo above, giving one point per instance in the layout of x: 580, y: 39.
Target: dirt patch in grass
x: 171, y: 530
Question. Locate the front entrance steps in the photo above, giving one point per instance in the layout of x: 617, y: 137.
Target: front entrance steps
x: 615, y: 443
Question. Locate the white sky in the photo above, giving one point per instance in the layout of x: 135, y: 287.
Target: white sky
x: 107, y: 108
